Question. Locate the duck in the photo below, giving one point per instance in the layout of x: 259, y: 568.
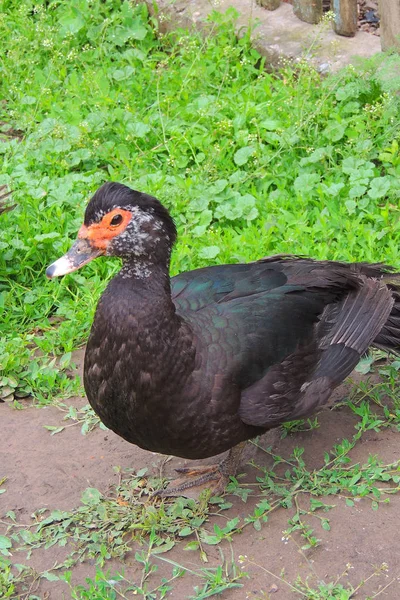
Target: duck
x: 197, y: 364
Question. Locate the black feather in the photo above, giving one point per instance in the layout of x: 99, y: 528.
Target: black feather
x: 226, y: 352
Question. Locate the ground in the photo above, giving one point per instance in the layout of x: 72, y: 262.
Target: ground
x: 250, y: 164
x: 45, y: 471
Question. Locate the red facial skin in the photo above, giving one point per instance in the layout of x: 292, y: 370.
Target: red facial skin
x: 100, y: 234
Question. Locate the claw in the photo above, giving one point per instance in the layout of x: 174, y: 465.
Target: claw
x: 195, y: 482
x: 197, y: 479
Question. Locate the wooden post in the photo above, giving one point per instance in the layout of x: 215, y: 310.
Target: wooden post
x: 269, y: 4
x: 389, y: 12
x: 346, y: 16
x: 309, y: 11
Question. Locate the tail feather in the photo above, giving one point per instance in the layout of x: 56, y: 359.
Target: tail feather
x: 389, y: 336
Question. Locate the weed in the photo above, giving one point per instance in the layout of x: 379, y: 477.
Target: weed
x: 298, y: 425
x: 104, y: 526
x: 106, y: 587
x: 16, y: 578
x: 84, y: 416
x: 233, y: 151
x: 333, y: 590
x: 250, y: 164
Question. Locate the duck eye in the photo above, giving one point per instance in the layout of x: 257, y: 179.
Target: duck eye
x: 116, y: 220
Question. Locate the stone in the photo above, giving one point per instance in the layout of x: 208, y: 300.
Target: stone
x: 269, y: 4
x: 389, y: 11
x: 346, y: 16
x: 309, y: 11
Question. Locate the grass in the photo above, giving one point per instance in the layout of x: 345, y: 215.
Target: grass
x: 249, y: 164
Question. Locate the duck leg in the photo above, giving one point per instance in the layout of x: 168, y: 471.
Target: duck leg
x: 214, y: 477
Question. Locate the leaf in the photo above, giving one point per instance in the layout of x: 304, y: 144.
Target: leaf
x: 199, y: 204
x: 192, y: 545
x: 229, y: 210
x: 47, y: 236
x: 79, y: 156
x: 253, y: 214
x: 334, y: 132
x: 317, y: 155
x: 137, y: 31
x: 325, y: 525
x: 185, y: 531
x: 219, y: 186
x: 316, y: 504
x: 333, y: 189
x: 357, y: 190
x: 91, y: 496
x: 123, y: 73
x: 351, y: 206
x: 165, y: 547
x: 271, y: 137
x: 72, y: 21
x: 257, y: 525
x: 138, y: 129
x: 65, y: 360
x: 379, y: 187
x: 365, y: 364
x: 212, y: 540
x: 28, y: 100
x: 242, y: 155
x: 270, y: 124
x: 5, y: 543
x: 53, y: 429
x: 351, y: 164
x: 305, y: 182
x: 209, y: 252
x: 237, y: 207
x: 349, y: 502
x: 50, y: 576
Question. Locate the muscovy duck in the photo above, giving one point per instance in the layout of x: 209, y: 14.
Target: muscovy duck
x: 196, y: 365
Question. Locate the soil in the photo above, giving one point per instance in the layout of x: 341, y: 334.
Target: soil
x: 53, y: 471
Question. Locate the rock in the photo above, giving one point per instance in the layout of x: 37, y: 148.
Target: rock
x: 269, y: 4
x: 6, y: 391
x: 21, y: 394
x: 9, y: 398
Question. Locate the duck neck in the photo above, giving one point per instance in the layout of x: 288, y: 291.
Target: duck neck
x: 145, y: 273
x: 150, y: 282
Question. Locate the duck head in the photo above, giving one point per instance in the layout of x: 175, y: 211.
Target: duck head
x: 121, y: 222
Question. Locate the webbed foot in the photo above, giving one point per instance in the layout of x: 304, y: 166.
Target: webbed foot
x: 196, y: 479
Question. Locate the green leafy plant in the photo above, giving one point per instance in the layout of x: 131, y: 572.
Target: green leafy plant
x: 249, y: 163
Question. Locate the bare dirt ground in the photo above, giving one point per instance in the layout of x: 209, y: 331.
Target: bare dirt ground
x: 53, y: 471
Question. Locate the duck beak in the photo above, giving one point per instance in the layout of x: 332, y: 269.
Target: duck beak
x: 81, y: 253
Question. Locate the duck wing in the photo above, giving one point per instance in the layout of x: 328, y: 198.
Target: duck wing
x: 194, y: 290
x: 285, y: 331
x: 303, y: 381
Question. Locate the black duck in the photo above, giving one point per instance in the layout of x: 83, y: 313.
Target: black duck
x: 198, y: 364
